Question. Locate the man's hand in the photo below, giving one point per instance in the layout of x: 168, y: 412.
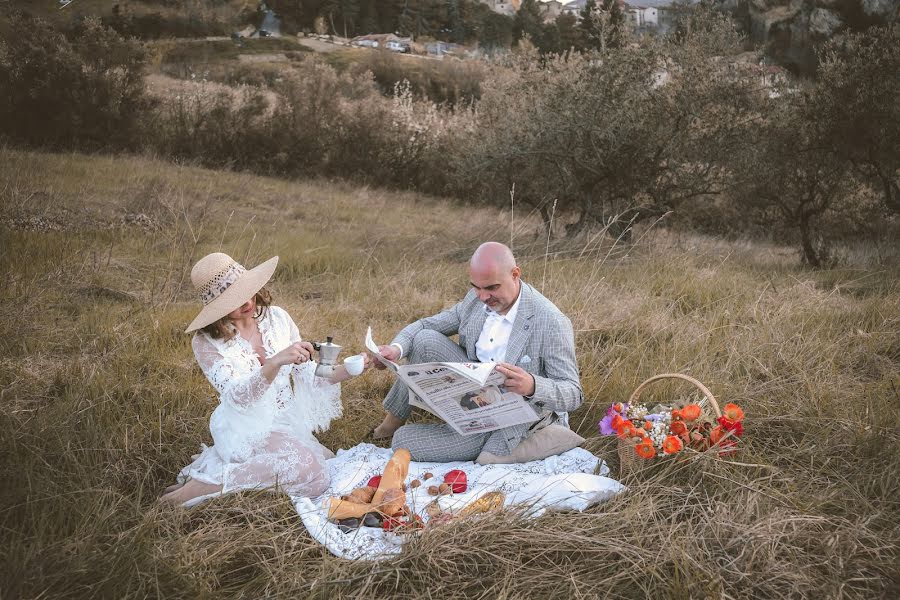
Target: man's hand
x: 392, y: 353
x: 518, y: 380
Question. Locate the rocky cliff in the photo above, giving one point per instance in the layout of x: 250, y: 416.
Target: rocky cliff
x: 794, y: 28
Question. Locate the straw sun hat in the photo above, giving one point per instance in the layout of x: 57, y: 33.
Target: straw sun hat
x: 223, y: 285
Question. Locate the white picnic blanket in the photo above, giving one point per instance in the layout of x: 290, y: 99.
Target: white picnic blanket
x: 574, y: 480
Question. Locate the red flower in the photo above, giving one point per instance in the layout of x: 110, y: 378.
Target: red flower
x: 733, y: 412
x: 374, y: 482
x: 735, y: 427
x: 645, y: 449
x: 672, y: 444
x: 457, y: 480
x: 691, y: 412
x: 678, y: 427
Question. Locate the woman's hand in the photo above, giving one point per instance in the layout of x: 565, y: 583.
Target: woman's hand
x: 294, y: 354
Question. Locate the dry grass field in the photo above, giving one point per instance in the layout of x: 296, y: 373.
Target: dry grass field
x: 102, y: 403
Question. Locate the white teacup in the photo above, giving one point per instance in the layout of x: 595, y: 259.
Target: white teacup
x: 355, y: 364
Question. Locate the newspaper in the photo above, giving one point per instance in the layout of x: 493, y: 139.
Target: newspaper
x: 468, y: 396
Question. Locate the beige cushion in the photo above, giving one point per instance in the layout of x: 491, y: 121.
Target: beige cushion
x: 553, y: 439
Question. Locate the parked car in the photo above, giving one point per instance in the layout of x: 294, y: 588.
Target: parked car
x: 395, y: 46
x: 365, y: 43
x: 264, y: 33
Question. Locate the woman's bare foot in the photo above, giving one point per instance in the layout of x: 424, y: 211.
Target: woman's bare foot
x: 190, y: 490
x: 388, y: 426
x: 172, y: 488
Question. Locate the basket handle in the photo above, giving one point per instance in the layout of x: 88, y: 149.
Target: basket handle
x: 637, y: 393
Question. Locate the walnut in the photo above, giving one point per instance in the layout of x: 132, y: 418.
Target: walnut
x: 433, y: 490
x: 427, y: 476
x: 433, y: 509
x: 415, y: 483
x: 445, y: 488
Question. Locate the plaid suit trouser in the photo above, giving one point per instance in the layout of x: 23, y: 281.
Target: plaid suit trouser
x: 428, y: 442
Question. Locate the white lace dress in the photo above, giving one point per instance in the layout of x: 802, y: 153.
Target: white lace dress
x: 263, y: 432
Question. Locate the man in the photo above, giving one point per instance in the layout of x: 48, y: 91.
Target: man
x: 503, y: 320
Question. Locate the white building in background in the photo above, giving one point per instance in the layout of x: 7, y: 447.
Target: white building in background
x: 642, y: 16
x: 551, y: 9
x: 574, y: 8
x: 504, y: 7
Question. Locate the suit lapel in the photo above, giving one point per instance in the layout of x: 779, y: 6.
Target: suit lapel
x: 521, y: 329
x: 473, y: 330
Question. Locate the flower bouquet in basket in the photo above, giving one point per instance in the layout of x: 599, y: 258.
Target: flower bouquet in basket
x: 645, y: 433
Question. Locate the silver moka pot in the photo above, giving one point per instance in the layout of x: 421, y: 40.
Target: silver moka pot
x: 328, y: 353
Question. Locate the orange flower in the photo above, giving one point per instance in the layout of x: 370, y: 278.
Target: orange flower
x: 716, y: 435
x: 733, y: 412
x: 628, y: 430
x: 645, y: 449
x: 616, y: 423
x: 678, y: 427
x: 618, y: 407
x: 672, y: 444
x: 641, y: 432
x: 691, y: 412
x: 676, y: 415
x: 648, y: 425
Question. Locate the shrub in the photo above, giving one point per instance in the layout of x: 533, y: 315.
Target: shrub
x: 85, y: 90
x: 451, y: 82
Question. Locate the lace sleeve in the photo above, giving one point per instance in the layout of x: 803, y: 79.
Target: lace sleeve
x: 292, y: 328
x: 234, y: 384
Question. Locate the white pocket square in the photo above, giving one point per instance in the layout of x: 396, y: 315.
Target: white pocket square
x: 525, y: 360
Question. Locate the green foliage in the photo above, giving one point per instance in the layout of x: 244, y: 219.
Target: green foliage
x: 85, y: 89
x: 451, y: 82
x: 602, y: 26
x: 856, y: 108
x: 791, y: 179
x: 602, y: 138
x: 459, y: 21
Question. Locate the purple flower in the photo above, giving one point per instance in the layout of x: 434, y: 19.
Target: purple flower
x: 606, y: 425
x: 612, y: 411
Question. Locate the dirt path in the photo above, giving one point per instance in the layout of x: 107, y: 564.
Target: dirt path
x: 319, y: 45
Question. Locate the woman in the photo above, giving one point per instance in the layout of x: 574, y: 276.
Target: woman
x: 270, y: 401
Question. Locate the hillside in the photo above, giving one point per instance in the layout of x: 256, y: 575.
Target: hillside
x: 102, y: 402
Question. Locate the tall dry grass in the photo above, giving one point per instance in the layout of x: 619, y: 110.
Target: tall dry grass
x: 102, y: 403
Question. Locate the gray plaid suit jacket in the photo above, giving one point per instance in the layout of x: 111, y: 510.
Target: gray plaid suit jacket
x: 541, y: 342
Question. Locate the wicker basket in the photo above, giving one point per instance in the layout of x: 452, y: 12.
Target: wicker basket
x: 629, y: 461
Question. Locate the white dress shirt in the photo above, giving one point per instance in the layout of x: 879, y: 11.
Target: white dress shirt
x: 491, y: 345
x: 494, y: 338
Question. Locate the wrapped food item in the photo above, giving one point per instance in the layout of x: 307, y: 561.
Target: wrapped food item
x: 457, y: 480
x: 490, y: 501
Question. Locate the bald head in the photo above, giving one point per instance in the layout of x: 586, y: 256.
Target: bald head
x: 493, y: 255
x: 494, y: 276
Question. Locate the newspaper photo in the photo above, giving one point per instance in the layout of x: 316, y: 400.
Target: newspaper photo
x: 468, y: 396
